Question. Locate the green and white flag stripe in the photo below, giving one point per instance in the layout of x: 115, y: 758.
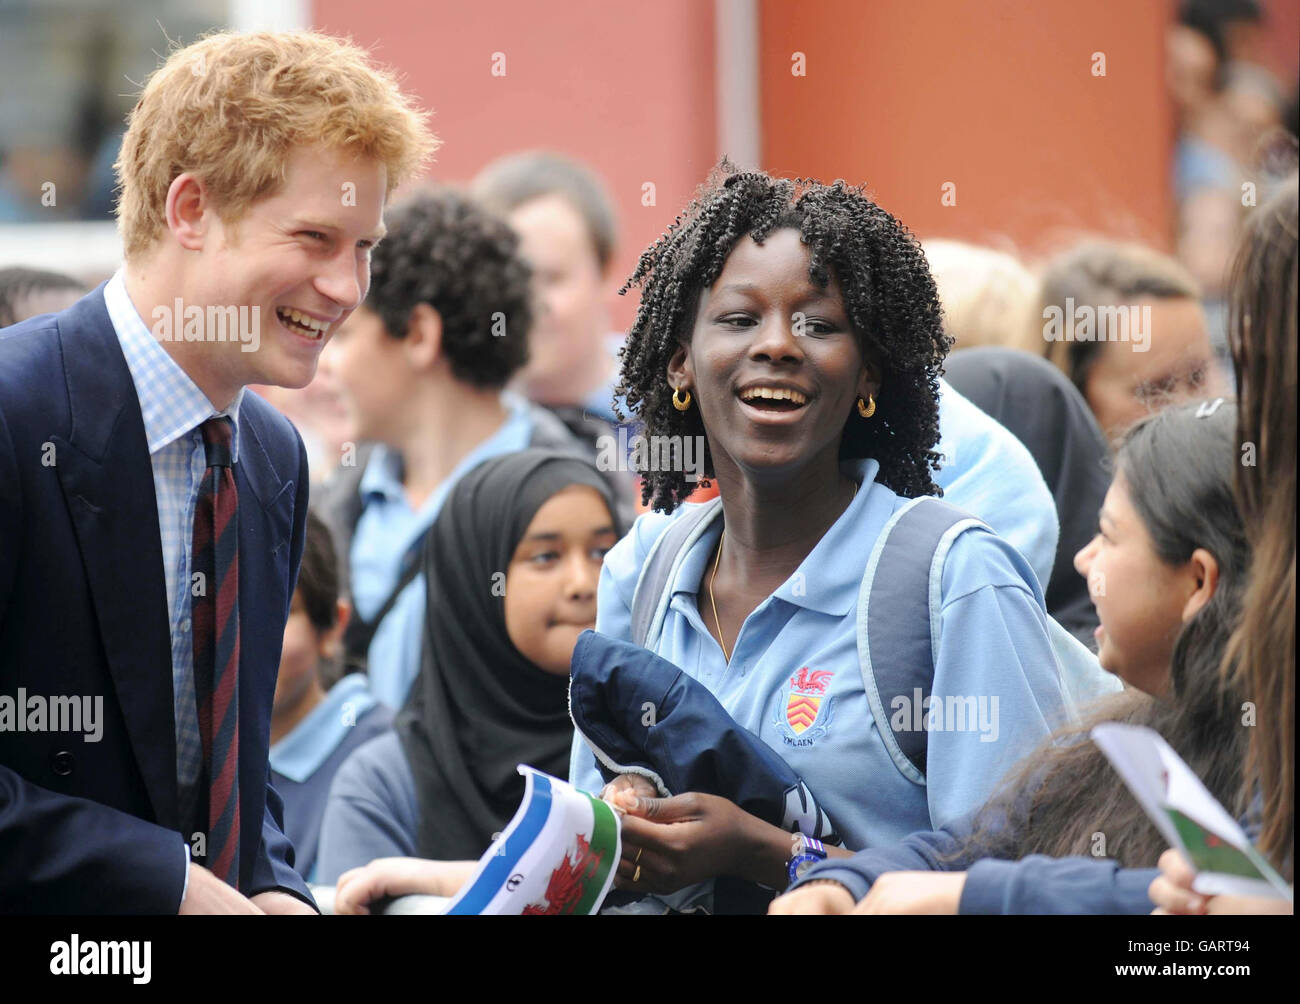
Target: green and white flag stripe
x: 558, y: 855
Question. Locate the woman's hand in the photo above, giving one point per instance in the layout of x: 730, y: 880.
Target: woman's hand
x: 385, y: 878
x: 671, y: 843
x: 1237, y: 905
x: 1172, y: 893
x: 933, y: 893
x: 824, y: 897
x: 625, y: 789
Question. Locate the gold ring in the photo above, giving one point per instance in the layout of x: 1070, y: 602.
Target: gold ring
x: 638, y: 855
x: 636, y: 875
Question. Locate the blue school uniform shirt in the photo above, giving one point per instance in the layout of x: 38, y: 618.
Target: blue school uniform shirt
x: 988, y: 472
x: 372, y: 811
x: 387, y: 529
x: 304, y: 762
x: 991, y: 642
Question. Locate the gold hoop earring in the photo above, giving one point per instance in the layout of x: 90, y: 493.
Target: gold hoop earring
x: 678, y: 403
x: 868, y: 408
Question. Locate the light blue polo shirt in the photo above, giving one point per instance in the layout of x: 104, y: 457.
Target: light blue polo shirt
x: 988, y: 472
x: 387, y: 529
x: 304, y: 762
x: 992, y: 643
x: 298, y: 755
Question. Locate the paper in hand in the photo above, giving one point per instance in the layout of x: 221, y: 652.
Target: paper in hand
x: 1187, y: 815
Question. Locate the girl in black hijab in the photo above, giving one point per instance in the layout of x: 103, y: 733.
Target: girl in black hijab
x: 481, y: 706
x: 1044, y: 411
x: 511, y: 565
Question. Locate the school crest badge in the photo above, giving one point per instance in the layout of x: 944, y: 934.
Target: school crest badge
x: 803, y: 708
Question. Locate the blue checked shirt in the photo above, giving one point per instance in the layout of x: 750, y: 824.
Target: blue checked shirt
x: 173, y: 408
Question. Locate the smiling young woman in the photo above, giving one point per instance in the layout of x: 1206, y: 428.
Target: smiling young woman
x: 796, y: 328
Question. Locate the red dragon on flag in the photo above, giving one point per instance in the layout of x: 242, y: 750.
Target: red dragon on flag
x: 568, y: 882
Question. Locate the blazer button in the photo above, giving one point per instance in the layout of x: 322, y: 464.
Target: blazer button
x: 62, y: 762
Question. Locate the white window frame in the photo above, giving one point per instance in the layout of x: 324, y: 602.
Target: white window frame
x: 92, y: 249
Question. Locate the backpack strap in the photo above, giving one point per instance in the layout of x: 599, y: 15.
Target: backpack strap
x: 339, y: 503
x: 650, y: 599
x: 359, y: 633
x: 898, y: 607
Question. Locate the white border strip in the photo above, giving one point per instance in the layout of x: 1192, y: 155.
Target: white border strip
x: 736, y: 76
x: 268, y: 15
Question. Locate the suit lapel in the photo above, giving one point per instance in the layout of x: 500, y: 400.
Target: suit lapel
x: 265, y: 531
x: 255, y: 467
x: 265, y: 528
x: 107, y: 480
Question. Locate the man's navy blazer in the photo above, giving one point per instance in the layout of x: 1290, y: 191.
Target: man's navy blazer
x: 94, y: 827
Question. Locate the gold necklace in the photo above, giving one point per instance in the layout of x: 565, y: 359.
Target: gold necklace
x: 717, y: 622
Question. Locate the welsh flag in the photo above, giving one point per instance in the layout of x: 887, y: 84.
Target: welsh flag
x: 558, y: 855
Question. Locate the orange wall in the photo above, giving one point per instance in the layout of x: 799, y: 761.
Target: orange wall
x: 996, y: 96
x: 1281, y: 30
x: 626, y: 87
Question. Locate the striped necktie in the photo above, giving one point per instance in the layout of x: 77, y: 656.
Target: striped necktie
x: 215, y: 618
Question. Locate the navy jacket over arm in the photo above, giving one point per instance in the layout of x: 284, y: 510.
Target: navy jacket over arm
x: 640, y: 714
x: 1036, y: 884
x: 94, y: 827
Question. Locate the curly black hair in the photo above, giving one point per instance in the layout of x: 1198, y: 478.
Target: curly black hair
x: 889, y: 296
x: 445, y: 250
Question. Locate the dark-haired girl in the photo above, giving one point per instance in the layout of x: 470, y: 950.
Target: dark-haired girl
x: 511, y: 563
x: 1166, y: 571
x: 795, y: 327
